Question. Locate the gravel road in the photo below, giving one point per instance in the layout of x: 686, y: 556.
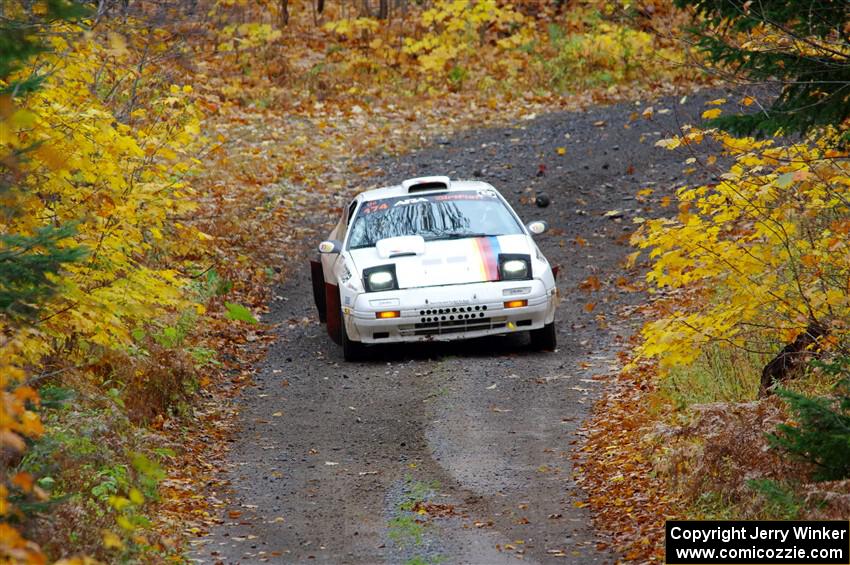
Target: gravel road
x: 453, y: 453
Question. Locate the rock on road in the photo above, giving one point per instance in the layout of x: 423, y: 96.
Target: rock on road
x: 459, y: 452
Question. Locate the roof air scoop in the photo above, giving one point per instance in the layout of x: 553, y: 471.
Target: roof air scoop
x: 422, y: 184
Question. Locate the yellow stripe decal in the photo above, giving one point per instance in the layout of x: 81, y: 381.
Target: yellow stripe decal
x: 482, y: 259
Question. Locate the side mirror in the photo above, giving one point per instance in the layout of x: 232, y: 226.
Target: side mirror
x: 537, y: 227
x: 330, y: 246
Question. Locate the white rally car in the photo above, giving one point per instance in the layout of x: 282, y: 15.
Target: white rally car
x: 433, y: 259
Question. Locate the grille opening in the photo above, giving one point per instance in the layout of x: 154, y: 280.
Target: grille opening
x: 380, y: 335
x: 461, y: 323
x: 522, y: 323
x: 462, y: 314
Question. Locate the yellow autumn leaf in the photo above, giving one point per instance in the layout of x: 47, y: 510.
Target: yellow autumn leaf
x: 118, y: 502
x: 136, y: 497
x: 112, y: 540
x: 117, y: 45
x: 31, y: 425
x: 670, y: 143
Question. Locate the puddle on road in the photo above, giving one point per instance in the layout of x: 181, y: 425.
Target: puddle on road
x: 428, y: 527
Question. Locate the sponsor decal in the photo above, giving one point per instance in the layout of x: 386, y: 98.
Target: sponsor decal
x: 516, y: 291
x: 374, y: 206
x: 448, y: 303
x: 407, y: 201
x: 385, y: 204
x: 346, y: 273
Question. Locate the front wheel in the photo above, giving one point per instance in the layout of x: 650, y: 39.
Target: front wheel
x: 351, y: 350
x: 544, y: 339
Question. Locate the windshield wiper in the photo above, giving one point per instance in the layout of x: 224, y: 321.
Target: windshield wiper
x: 465, y: 235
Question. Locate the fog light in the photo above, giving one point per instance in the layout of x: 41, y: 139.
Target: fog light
x: 516, y: 303
x: 388, y: 314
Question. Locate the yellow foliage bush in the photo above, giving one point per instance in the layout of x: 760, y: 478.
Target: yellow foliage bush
x: 247, y: 36
x: 456, y: 30
x: 765, y: 252
x: 100, y: 146
x: 608, y: 53
x: 491, y: 45
x: 120, y: 182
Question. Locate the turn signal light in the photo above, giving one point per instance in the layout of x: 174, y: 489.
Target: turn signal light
x: 388, y: 314
x: 516, y: 303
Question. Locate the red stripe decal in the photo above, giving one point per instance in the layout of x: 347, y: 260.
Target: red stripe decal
x: 488, y: 257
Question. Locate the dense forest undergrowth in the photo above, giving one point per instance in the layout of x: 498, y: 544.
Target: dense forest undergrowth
x: 155, y: 158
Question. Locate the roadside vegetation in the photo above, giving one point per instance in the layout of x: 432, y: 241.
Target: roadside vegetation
x: 734, y: 401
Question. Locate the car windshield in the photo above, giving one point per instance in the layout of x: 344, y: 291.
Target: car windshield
x: 452, y: 215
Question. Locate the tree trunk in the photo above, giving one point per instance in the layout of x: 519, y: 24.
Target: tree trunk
x: 283, y: 6
x: 791, y: 359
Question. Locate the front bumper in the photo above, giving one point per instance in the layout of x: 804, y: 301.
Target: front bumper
x: 452, y: 312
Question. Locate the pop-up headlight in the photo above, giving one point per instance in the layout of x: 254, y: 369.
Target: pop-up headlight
x: 514, y: 267
x: 382, y: 277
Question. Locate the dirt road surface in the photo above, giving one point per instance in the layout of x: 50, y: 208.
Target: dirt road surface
x: 460, y: 452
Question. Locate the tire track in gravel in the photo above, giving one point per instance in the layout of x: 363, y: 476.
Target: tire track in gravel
x: 333, y: 456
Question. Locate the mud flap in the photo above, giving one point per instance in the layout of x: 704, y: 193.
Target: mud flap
x: 555, y: 270
x: 333, y: 312
x: 318, y: 279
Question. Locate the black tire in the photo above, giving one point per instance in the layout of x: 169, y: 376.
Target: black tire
x: 317, y: 278
x: 351, y: 350
x: 544, y: 339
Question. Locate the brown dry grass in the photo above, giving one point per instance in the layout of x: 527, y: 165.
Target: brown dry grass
x: 644, y: 461
x: 151, y: 384
x: 724, y: 446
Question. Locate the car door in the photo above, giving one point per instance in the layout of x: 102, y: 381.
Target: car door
x: 331, y: 304
x: 338, y: 233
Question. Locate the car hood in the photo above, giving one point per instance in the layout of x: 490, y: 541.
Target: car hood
x: 444, y: 262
